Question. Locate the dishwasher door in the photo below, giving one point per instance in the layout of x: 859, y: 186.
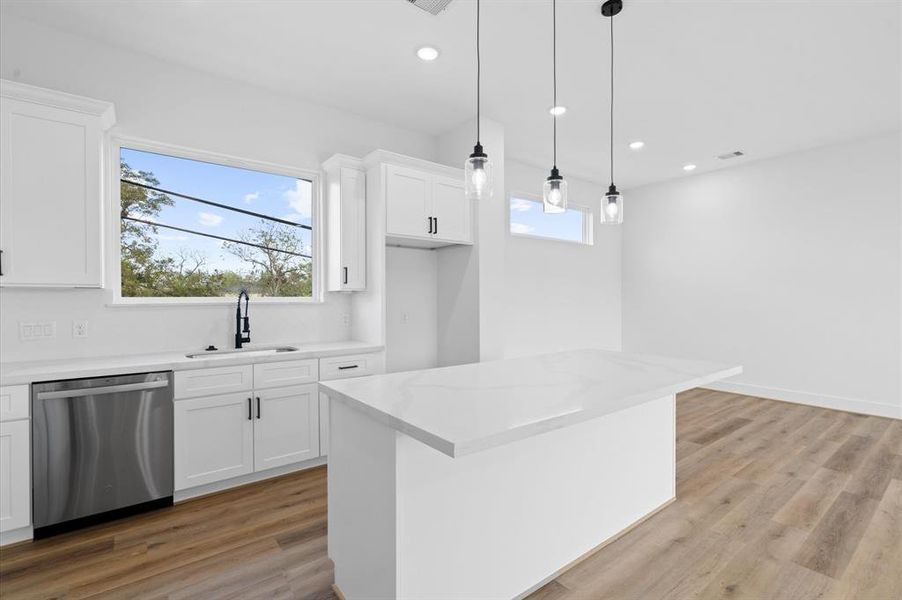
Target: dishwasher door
x: 101, y: 448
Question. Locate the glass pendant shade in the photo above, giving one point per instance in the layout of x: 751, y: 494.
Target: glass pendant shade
x: 612, y: 207
x: 554, y: 193
x: 478, y: 175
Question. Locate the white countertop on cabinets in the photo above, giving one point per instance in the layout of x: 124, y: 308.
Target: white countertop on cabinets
x: 466, y: 408
x: 16, y: 373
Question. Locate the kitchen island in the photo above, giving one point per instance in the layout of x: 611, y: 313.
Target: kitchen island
x: 486, y: 480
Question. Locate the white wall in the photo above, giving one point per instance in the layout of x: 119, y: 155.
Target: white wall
x: 560, y: 295
x: 411, y: 309
x: 164, y: 102
x: 789, y: 266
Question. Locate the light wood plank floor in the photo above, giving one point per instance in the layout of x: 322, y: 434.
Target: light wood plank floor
x: 774, y: 501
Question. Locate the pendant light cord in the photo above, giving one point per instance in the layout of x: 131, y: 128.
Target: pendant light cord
x: 554, y: 75
x: 478, y: 75
x: 612, y: 99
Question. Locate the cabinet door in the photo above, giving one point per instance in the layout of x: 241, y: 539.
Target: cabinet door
x: 15, y: 475
x: 451, y: 210
x: 50, y: 196
x: 286, y: 426
x: 353, y: 230
x: 214, y: 439
x: 408, y: 202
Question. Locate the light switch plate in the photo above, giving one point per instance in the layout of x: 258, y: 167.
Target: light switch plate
x: 36, y: 331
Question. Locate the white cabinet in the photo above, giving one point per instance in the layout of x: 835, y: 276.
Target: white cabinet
x: 51, y: 187
x: 15, y: 475
x: 214, y: 439
x: 345, y: 224
x: 286, y: 426
x: 426, y: 206
x: 215, y: 380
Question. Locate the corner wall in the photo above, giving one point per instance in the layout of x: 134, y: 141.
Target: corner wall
x: 789, y: 266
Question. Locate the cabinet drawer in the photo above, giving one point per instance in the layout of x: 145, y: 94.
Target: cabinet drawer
x: 356, y: 365
x: 288, y: 372
x: 218, y: 380
x: 14, y: 402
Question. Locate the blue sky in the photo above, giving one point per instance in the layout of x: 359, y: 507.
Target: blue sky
x: 527, y: 217
x: 274, y: 195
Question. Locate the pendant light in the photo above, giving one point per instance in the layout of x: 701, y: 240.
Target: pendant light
x: 554, y: 192
x: 478, y: 168
x: 612, y: 202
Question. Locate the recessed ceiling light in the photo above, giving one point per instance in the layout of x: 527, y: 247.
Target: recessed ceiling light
x: 427, y: 53
x: 637, y: 145
x: 557, y: 110
x: 688, y: 167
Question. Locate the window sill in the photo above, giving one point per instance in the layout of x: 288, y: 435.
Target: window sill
x: 206, y: 302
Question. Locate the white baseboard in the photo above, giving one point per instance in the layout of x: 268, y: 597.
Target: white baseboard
x: 865, y: 407
x: 219, y: 486
x: 16, y: 535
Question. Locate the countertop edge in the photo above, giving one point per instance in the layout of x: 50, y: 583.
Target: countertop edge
x: 33, y: 371
x: 466, y: 447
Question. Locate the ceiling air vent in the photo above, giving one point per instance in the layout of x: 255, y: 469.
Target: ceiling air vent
x: 730, y: 155
x: 433, y: 7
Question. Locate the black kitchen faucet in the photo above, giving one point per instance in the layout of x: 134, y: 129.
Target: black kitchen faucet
x: 242, y: 324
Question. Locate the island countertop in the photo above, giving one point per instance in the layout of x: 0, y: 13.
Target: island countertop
x: 462, y: 409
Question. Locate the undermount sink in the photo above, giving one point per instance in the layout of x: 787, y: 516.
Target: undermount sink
x: 242, y: 352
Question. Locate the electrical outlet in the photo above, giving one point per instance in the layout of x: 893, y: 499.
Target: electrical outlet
x: 79, y: 329
x: 37, y: 331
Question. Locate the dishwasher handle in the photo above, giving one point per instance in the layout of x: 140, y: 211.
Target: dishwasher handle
x: 107, y: 389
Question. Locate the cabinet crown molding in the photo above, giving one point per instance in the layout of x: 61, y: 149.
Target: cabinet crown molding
x: 377, y: 157
x: 105, y: 111
x: 337, y: 161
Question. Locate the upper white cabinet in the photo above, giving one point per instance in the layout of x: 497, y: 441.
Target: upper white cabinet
x: 345, y: 224
x: 425, y: 203
x: 51, y: 187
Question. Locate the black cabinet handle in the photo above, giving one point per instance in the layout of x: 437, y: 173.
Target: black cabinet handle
x: 430, y: 225
x: 250, y: 410
x: 258, y: 407
x: 348, y: 367
x: 436, y: 226
x: 346, y: 275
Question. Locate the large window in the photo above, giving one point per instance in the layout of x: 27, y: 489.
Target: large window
x: 528, y: 219
x: 193, y: 229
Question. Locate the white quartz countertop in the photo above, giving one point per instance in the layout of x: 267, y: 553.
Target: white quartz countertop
x: 463, y: 409
x: 15, y: 373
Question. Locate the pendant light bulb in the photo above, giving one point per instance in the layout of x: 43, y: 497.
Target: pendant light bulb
x: 612, y: 204
x: 478, y: 175
x: 478, y: 169
x: 554, y: 193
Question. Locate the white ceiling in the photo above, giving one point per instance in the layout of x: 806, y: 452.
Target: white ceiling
x: 694, y: 78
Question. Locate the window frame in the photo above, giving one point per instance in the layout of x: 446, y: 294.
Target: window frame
x: 113, y: 257
x: 588, y: 221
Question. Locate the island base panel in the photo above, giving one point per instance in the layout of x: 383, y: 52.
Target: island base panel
x: 406, y: 521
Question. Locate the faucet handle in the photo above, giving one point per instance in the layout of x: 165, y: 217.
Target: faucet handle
x: 247, y: 325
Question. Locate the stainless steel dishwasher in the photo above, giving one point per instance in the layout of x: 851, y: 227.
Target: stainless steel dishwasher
x: 101, y: 449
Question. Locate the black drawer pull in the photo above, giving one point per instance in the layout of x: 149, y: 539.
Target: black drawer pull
x: 346, y: 275
x: 348, y: 367
x: 258, y: 407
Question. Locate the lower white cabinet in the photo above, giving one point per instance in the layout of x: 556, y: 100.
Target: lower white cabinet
x: 286, y: 426
x: 221, y: 437
x: 214, y: 439
x: 15, y: 475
